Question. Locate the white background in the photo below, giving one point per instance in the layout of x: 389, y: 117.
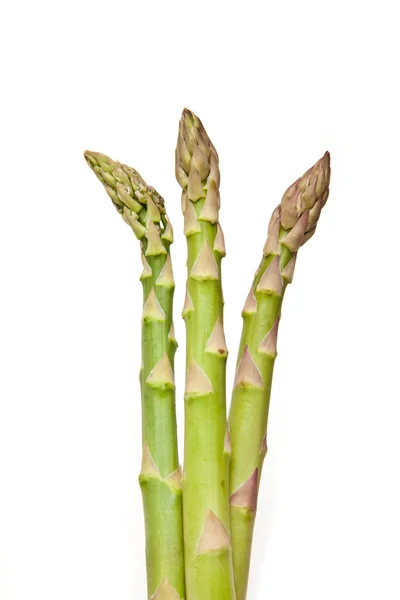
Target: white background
x: 276, y: 84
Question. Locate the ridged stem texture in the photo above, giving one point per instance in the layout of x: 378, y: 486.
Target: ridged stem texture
x: 208, y: 557
x: 160, y: 479
x: 292, y: 223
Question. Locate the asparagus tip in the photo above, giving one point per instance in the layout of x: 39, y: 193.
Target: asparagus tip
x: 205, y: 265
x: 288, y: 271
x: 309, y: 235
x: 149, y: 467
x: 294, y: 239
x: 165, y: 592
x: 155, y: 247
x: 216, y: 343
x: 152, y: 310
x: 171, y: 335
x: 191, y: 224
x: 219, y: 241
x: 95, y: 158
x: 168, y: 234
x: 166, y: 277
x: 210, y: 209
x: 174, y: 479
x: 147, y: 270
x: 271, y: 282
x: 268, y: 343
x: 246, y: 494
x: 162, y: 375
x: 197, y: 382
x: 196, y: 160
x: 187, y: 114
x: 247, y: 374
x: 195, y: 189
x: 188, y: 305
x: 227, y: 442
x: 250, y: 306
x: 276, y: 216
x: 272, y: 243
x: 305, y: 192
x: 214, y: 535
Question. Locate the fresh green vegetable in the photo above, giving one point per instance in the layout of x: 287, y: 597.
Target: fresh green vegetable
x: 208, y: 559
x: 160, y: 477
x: 292, y: 223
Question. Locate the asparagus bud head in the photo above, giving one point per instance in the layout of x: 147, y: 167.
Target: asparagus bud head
x: 196, y: 163
x: 308, y: 193
x: 143, y: 209
x: 139, y: 204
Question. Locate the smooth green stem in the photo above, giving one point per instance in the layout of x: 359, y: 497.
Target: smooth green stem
x: 205, y: 483
x: 162, y: 498
x: 208, y: 555
x: 293, y: 223
x: 242, y: 526
x: 143, y: 209
x: 248, y: 421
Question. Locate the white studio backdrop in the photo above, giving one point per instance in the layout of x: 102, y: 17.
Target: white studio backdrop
x: 275, y: 84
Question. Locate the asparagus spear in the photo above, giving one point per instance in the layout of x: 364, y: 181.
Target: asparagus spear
x: 292, y: 223
x: 208, y: 560
x: 160, y: 480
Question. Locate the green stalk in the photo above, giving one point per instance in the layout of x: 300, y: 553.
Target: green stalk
x: 292, y: 223
x: 205, y: 486
x: 160, y: 478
